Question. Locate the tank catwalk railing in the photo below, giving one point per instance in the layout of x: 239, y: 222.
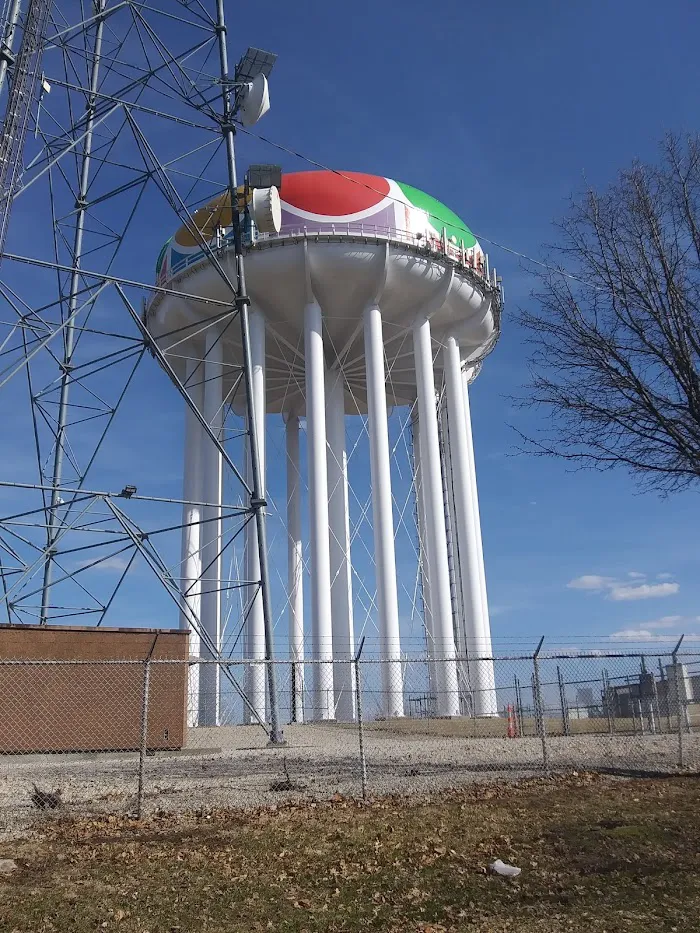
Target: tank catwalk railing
x: 471, y: 259
x: 121, y: 736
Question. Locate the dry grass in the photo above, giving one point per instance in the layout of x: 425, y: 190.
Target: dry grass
x: 497, y: 727
x: 597, y: 854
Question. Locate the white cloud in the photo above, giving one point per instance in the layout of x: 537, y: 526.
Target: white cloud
x: 591, y: 582
x: 664, y: 576
x: 650, y: 631
x: 632, y: 634
x: 641, y: 636
x: 618, y: 593
x: 623, y: 590
x: 498, y: 610
x: 663, y: 622
x: 117, y: 563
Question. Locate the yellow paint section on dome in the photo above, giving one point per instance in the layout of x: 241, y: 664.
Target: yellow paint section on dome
x: 207, y: 220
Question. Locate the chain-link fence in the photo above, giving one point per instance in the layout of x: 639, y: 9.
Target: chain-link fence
x: 134, y: 736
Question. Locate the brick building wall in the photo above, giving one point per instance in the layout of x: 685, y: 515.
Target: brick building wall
x: 94, y: 706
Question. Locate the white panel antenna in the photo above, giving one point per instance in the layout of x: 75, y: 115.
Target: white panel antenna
x: 266, y: 210
x: 255, y: 100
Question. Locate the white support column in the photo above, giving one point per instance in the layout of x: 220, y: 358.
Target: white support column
x: 492, y: 709
x: 295, y: 568
x: 453, y: 559
x: 339, y: 545
x: 436, y: 539
x: 486, y: 623
x: 191, y: 566
x: 468, y: 531
x: 451, y: 531
x: 210, y: 535
x: 383, y: 522
x: 423, y: 556
x: 323, y: 701
x: 255, y: 626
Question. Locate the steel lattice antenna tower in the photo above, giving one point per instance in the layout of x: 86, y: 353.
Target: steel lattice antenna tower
x: 115, y: 113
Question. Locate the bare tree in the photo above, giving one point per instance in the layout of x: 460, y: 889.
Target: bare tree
x: 616, y: 336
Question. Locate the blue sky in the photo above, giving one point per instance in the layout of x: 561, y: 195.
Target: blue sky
x: 500, y: 110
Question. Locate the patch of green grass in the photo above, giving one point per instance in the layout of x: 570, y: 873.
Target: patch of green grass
x: 598, y: 854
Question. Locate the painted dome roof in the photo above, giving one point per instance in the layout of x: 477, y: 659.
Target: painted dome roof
x: 313, y: 201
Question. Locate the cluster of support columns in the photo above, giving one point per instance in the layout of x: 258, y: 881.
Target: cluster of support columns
x: 451, y: 558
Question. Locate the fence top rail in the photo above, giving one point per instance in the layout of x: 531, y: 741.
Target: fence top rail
x: 365, y: 660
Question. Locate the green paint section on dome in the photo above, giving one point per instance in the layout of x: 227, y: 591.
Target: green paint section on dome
x: 440, y: 216
x: 161, y: 257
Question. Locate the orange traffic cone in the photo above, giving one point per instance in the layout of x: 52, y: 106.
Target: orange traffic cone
x: 512, y: 731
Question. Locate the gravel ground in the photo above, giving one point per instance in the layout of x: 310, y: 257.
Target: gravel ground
x: 233, y: 767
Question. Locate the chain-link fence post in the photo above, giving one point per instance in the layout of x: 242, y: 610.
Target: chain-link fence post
x: 680, y: 697
x: 630, y: 704
x: 293, y: 699
x: 519, y: 707
x: 562, y: 702
x: 664, y: 681
x: 360, y: 724
x: 640, y: 714
x: 656, y: 708
x: 647, y: 697
x: 609, y: 701
x: 539, y: 708
x: 633, y: 707
x: 144, y: 727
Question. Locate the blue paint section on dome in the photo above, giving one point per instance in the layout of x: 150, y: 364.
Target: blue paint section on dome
x: 171, y: 261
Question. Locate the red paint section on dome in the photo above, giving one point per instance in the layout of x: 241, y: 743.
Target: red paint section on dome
x: 333, y: 195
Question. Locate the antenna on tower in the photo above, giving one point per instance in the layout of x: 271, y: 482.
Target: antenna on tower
x: 251, y: 74
x: 19, y: 108
x: 254, y: 101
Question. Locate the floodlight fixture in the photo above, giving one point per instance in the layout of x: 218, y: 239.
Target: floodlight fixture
x: 128, y: 491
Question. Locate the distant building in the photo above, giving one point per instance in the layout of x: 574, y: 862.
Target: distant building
x: 585, y: 697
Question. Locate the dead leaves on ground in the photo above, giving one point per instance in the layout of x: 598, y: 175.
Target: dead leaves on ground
x: 587, y: 846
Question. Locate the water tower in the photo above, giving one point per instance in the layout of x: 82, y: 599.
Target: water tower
x: 369, y: 294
